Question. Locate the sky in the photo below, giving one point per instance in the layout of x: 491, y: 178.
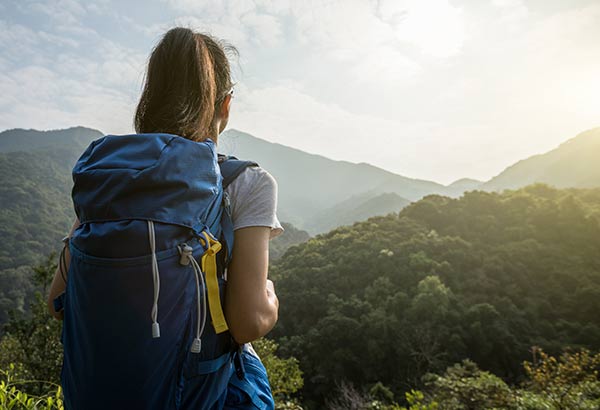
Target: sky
x: 429, y: 89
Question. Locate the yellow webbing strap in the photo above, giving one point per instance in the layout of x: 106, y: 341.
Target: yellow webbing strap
x: 209, y: 267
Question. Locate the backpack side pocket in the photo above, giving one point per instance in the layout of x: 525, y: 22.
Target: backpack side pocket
x: 253, y: 390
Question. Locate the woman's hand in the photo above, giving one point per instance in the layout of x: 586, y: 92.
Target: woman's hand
x: 271, y: 293
x: 251, y: 305
x: 270, y: 288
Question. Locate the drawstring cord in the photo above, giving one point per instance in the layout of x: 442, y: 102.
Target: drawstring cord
x: 156, y: 279
x: 187, y: 258
x: 197, y: 344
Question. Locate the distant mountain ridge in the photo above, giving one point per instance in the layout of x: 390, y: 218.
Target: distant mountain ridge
x: 77, y: 138
x: 317, y: 193
x: 573, y: 164
x: 309, y: 183
x: 466, y: 184
x: 357, y: 208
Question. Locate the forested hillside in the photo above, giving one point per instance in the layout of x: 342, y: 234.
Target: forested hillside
x: 35, y: 213
x: 35, y: 205
x: 484, y: 277
x: 35, y: 197
x: 73, y: 139
x: 291, y: 236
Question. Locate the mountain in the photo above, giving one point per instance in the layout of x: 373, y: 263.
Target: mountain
x: 465, y: 184
x: 293, y: 236
x: 310, y: 183
x: 35, y: 204
x: 315, y: 193
x: 35, y: 190
x: 575, y: 163
x: 75, y: 139
x: 357, y: 208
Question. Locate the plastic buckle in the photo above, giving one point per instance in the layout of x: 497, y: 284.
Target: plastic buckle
x: 185, y: 252
x: 240, y: 371
x: 226, y: 201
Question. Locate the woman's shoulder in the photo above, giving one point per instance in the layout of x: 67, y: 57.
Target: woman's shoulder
x: 257, y: 172
x: 253, y: 197
x: 251, y: 179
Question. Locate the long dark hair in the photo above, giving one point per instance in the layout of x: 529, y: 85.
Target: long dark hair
x: 187, y: 78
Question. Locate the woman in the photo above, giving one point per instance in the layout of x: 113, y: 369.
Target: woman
x: 188, y: 92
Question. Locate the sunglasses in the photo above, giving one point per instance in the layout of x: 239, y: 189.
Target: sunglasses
x: 230, y: 92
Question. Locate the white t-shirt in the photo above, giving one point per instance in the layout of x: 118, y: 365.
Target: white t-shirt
x: 253, y: 198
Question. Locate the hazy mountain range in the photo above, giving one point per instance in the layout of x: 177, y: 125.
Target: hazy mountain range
x: 574, y: 164
x: 317, y: 193
x: 312, y: 185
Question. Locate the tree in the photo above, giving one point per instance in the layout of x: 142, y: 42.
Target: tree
x: 465, y: 387
x: 569, y: 381
x: 33, y: 340
x: 285, y: 375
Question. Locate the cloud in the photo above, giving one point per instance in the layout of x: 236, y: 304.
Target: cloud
x: 340, y: 30
x: 267, y: 28
x: 434, y: 27
x: 233, y: 20
x: 65, y: 11
x: 418, y: 87
x: 52, y: 78
x: 17, y: 42
x: 385, y: 66
x: 214, y: 9
x: 286, y: 114
x: 37, y: 97
x: 428, y: 149
x: 230, y: 32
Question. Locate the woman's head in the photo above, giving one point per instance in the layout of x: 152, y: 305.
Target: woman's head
x: 188, y: 86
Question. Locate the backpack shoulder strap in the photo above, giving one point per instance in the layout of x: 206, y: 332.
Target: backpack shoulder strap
x: 231, y: 168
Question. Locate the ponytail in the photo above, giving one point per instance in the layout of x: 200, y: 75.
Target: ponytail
x: 188, y: 75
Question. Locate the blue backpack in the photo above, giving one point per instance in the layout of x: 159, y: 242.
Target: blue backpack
x: 143, y: 321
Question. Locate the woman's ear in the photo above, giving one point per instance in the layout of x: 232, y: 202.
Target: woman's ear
x: 225, y: 106
x: 223, y: 117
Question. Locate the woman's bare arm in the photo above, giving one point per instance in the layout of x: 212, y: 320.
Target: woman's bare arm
x: 251, y: 305
x: 58, y: 284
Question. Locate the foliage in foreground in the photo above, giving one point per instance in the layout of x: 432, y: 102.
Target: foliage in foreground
x: 567, y: 382
x: 285, y: 375
x: 13, y: 396
x: 32, y: 341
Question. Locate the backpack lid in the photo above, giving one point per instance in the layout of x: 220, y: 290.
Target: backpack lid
x: 159, y: 177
